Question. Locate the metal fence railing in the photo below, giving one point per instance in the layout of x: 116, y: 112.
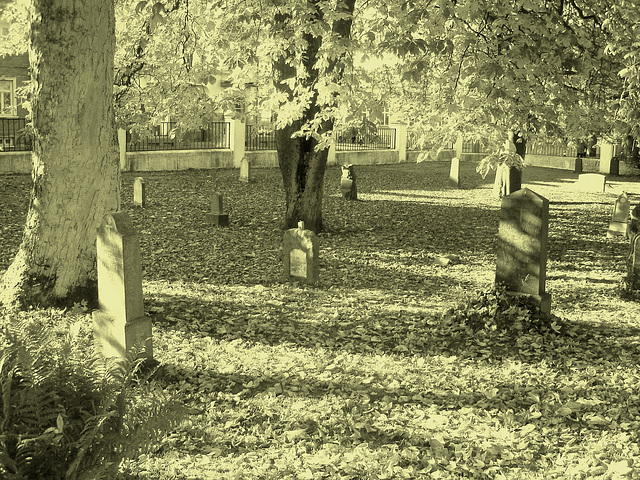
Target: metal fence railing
x: 166, y: 136
x: 414, y: 142
x: 471, y: 146
x: 382, y: 138
x: 260, y: 137
x: 14, y: 135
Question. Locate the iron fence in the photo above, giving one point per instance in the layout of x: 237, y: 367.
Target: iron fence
x: 535, y: 147
x: 260, y: 137
x: 382, y: 138
x: 414, y: 142
x: 167, y: 136
x: 473, y: 146
x: 14, y: 135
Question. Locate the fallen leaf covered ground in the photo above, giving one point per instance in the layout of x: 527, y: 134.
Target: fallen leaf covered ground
x: 359, y: 377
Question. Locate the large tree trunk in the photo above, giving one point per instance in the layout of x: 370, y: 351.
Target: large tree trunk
x: 303, y: 178
x: 75, y: 159
x: 301, y: 165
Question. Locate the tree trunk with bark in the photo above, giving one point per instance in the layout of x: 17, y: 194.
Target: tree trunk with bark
x: 301, y: 164
x: 302, y: 169
x: 75, y: 159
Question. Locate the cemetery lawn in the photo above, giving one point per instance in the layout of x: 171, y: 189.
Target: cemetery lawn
x: 359, y: 377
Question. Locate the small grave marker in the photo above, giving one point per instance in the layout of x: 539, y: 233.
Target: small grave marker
x: 592, y: 182
x: 578, y: 165
x: 348, y: 183
x: 139, y: 192
x: 522, y: 245
x: 245, y: 170
x: 120, y: 324
x: 217, y: 216
x: 300, y: 255
x: 454, y: 172
x: 619, y: 224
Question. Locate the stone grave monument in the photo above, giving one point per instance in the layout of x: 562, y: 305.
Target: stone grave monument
x: 300, y: 255
x: 454, y: 172
x: 245, y: 170
x: 578, y: 165
x: 619, y: 224
x: 633, y: 264
x: 120, y: 324
x: 139, y: 192
x: 592, y: 182
x: 348, y: 183
x: 217, y: 216
x: 614, y: 167
x: 521, y: 263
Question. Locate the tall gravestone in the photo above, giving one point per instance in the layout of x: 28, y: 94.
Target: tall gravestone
x: 217, y: 216
x: 139, y: 192
x: 300, y: 254
x: 454, y: 172
x: 633, y: 264
x: 578, y: 165
x: 619, y: 223
x: 120, y: 324
x: 522, y: 246
x: 245, y: 170
x: 633, y: 258
x: 614, y: 166
x: 348, y: 183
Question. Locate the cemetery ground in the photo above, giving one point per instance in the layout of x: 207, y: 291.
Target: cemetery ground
x: 366, y: 375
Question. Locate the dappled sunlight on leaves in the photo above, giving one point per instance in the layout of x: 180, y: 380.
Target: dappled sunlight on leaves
x: 363, y: 376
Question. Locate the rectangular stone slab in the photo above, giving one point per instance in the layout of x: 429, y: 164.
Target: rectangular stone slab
x: 300, y: 255
x: 521, y: 262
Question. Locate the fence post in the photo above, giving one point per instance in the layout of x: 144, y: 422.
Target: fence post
x: 122, y: 143
x: 402, y: 130
x: 237, y: 136
x: 606, y: 154
x: 458, y: 146
x: 331, y: 157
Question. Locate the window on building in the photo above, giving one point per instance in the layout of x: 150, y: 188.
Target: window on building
x: 385, y: 115
x: 7, y: 96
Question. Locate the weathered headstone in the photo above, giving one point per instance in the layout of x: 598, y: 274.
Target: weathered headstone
x: 578, y: 165
x: 217, y: 216
x: 120, y: 324
x: 348, y: 183
x: 614, y: 166
x: 139, y: 192
x: 592, y: 182
x: 634, y: 223
x: 454, y: 172
x: 619, y: 223
x: 522, y: 245
x: 300, y: 255
x: 245, y: 170
x: 633, y: 264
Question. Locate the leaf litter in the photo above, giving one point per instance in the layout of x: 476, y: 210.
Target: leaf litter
x: 391, y: 367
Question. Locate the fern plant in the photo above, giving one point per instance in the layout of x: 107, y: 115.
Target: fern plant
x: 62, y: 408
